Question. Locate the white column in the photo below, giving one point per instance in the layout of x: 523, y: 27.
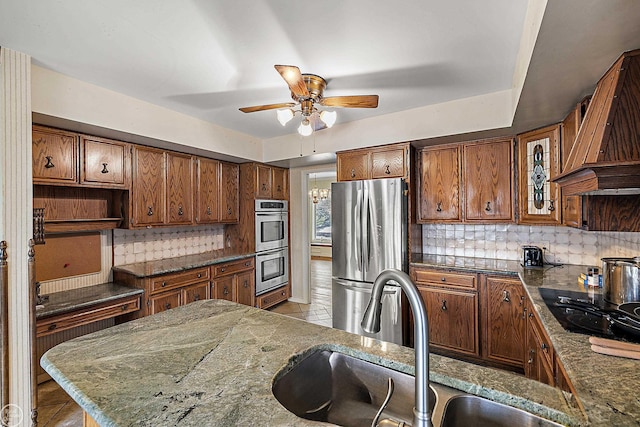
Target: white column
x: 16, y: 215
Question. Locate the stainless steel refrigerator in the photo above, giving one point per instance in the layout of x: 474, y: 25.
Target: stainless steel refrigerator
x: 369, y: 235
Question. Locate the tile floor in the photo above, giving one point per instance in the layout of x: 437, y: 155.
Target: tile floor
x: 57, y: 409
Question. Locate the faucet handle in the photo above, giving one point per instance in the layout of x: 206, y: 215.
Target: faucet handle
x: 374, y: 423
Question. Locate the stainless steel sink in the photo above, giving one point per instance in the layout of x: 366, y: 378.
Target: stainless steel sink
x: 339, y: 389
x: 469, y: 410
x: 336, y: 388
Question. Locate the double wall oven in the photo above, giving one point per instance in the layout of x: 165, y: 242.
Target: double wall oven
x: 272, y: 240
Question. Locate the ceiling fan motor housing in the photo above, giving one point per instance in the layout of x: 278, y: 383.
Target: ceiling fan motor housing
x: 315, y: 85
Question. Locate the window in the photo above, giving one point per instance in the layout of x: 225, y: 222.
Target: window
x: 321, y: 221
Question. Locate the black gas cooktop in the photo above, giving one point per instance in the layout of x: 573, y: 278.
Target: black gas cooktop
x: 591, y: 315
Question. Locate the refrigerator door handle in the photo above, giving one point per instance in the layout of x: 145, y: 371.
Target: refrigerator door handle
x: 365, y: 224
x: 358, y: 233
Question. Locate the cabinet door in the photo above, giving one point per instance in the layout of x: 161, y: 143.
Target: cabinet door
x: 572, y: 211
x: 148, y: 188
x: 506, y: 320
x: 222, y: 287
x: 207, y: 191
x: 279, y: 184
x: 54, y: 156
x: 263, y: 190
x: 179, y: 189
x: 196, y: 292
x: 488, y: 172
x: 539, y: 364
x: 453, y: 319
x: 353, y: 166
x: 388, y: 163
x: 163, y: 302
x: 439, y: 185
x: 245, y: 288
x: 538, y: 162
x: 104, y: 163
x: 229, y: 210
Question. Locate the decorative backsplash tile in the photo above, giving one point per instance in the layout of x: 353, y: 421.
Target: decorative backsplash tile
x: 504, y: 241
x: 131, y: 246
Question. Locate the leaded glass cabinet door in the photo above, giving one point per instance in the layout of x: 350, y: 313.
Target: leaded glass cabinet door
x: 539, y: 162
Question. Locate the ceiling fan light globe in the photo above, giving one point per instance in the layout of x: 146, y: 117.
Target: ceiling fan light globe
x: 305, y: 128
x: 284, y: 116
x: 328, y: 117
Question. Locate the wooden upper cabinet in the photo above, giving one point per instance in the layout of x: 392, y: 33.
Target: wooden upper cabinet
x: 179, y: 188
x: 353, y: 166
x: 505, y: 323
x: 230, y: 183
x: 148, y: 187
x: 207, y: 191
x: 388, y: 163
x: 488, y: 180
x: 538, y: 162
x: 54, y: 156
x: 104, y: 163
x: 280, y: 183
x: 263, y: 184
x: 439, y: 184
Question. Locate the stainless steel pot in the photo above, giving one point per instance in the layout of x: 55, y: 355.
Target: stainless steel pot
x: 621, y: 279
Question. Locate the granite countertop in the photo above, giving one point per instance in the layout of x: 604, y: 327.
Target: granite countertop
x: 77, y: 299
x: 607, y: 386
x: 187, y: 262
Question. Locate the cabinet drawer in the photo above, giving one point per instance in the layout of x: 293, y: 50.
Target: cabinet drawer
x: 170, y: 281
x: 232, y: 267
x: 272, y: 298
x: 66, y: 321
x: 445, y: 278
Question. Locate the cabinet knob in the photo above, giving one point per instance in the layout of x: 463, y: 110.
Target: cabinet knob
x: 279, y: 188
x: 264, y: 187
x: 387, y: 171
x: 180, y: 211
x: 104, y: 168
x: 247, y: 264
x: 443, y: 279
x: 444, y: 305
x: 49, y: 164
x: 283, y: 293
x: 505, y: 296
x: 124, y: 307
x: 150, y: 211
x: 52, y: 326
x: 552, y: 206
x: 544, y: 347
x: 246, y: 284
x: 167, y: 306
x: 532, y: 355
x: 439, y: 207
x: 196, y: 297
x: 228, y: 211
x: 223, y: 270
x: 208, y: 210
x: 225, y: 291
x: 199, y: 275
x: 488, y: 207
x: 353, y: 173
x: 164, y: 284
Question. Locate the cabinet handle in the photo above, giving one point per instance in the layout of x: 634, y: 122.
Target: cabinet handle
x: 104, y: 168
x: 199, y: 275
x: 387, y: 171
x: 439, y: 207
x: 180, y: 211
x: 167, y: 306
x: 124, y: 307
x: 544, y: 347
x: 208, y: 210
x: 524, y: 313
x: 150, y: 211
x: 444, y: 305
x: 505, y: 296
x: 222, y: 269
x: 225, y: 291
x: 247, y: 264
x: 246, y: 284
x: 532, y: 355
x: 443, y: 279
x: 278, y: 188
x: 353, y: 173
x: 488, y: 207
x: 264, y: 187
x: 196, y: 297
x: 283, y: 293
x: 49, y: 164
x: 52, y: 326
x: 551, y: 206
x: 164, y: 284
x: 228, y: 211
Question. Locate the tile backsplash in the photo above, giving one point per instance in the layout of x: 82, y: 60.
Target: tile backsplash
x: 503, y: 241
x: 131, y: 246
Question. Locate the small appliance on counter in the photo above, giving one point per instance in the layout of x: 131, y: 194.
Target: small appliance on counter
x: 532, y: 256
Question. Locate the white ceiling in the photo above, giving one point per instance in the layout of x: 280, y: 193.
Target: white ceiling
x: 208, y: 58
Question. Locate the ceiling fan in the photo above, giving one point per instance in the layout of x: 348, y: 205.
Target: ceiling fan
x: 307, y: 92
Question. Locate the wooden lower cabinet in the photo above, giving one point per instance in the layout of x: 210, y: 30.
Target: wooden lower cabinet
x: 235, y: 281
x: 539, y: 352
x: 196, y: 292
x: 453, y: 318
x: 505, y: 320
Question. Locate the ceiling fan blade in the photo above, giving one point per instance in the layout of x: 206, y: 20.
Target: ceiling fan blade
x: 266, y: 107
x: 291, y: 74
x: 356, y: 101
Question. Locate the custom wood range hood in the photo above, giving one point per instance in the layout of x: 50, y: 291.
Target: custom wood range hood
x: 605, y: 158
